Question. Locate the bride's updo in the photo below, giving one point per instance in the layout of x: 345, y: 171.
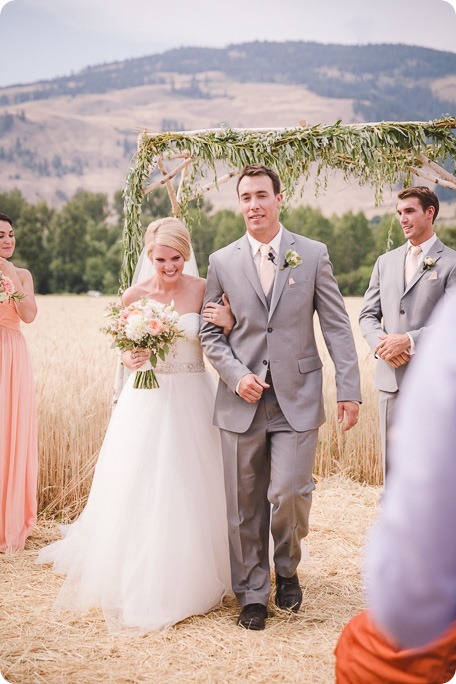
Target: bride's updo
x: 168, y: 232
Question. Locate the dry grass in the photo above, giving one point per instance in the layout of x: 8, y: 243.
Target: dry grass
x: 40, y: 646
x: 357, y: 453
x: 74, y: 375
x: 74, y: 372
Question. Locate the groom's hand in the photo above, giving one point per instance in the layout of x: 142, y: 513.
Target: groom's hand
x: 348, y: 410
x: 251, y: 388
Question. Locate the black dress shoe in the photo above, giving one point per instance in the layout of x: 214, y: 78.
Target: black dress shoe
x: 288, y: 593
x: 253, y: 616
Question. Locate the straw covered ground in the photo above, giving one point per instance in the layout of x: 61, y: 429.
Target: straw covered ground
x: 38, y: 645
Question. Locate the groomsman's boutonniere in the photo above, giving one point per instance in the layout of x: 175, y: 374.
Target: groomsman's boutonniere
x: 428, y: 263
x: 292, y: 259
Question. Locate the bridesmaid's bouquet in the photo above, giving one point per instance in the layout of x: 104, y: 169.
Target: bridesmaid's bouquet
x: 145, y: 324
x: 7, y: 291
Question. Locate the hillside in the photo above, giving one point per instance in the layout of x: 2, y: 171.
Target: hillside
x: 80, y: 131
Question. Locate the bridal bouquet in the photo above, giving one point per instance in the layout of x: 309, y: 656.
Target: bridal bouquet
x: 7, y: 291
x: 146, y: 324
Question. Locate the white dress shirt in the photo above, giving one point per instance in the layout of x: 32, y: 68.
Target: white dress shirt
x: 274, y: 243
x: 425, y: 247
x: 255, y: 247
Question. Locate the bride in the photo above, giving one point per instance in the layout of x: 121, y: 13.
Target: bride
x: 151, y: 546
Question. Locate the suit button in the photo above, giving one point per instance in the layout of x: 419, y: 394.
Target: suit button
x: 265, y: 363
x: 402, y: 312
x: 269, y: 329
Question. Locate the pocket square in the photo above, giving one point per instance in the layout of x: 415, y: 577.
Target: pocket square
x: 291, y: 281
x: 433, y: 276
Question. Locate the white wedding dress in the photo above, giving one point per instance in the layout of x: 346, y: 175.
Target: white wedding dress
x: 151, y: 546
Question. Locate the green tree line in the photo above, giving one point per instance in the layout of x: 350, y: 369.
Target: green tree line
x: 79, y: 247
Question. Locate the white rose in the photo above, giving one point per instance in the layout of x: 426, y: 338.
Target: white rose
x: 135, y: 328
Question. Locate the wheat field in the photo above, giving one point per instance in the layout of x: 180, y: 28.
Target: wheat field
x: 74, y: 367
x: 74, y: 370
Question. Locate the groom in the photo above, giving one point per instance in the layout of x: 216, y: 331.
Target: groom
x: 269, y: 402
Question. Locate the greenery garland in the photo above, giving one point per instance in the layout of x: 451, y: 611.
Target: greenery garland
x: 379, y: 154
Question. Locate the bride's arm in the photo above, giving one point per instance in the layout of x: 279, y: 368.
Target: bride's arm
x: 220, y: 314
x: 133, y: 293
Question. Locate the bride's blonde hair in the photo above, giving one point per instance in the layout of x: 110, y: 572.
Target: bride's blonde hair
x: 168, y: 232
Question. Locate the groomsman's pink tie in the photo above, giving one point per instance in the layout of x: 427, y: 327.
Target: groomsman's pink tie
x: 266, y: 270
x: 411, y: 262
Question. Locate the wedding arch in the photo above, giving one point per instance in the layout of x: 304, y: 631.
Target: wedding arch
x: 379, y: 154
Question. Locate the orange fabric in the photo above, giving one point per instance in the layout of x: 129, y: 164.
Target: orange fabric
x: 365, y: 656
x: 18, y: 434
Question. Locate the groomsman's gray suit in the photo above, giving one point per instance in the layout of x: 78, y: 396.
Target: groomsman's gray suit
x: 274, y: 338
x: 392, y: 307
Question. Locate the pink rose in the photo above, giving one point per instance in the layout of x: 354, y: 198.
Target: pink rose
x: 155, y: 327
x: 8, y: 286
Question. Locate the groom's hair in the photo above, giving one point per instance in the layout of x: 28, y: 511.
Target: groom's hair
x: 260, y: 170
x: 426, y: 197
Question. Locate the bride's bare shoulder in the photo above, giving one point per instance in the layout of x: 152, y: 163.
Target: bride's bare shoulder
x: 136, y: 291
x: 195, y: 281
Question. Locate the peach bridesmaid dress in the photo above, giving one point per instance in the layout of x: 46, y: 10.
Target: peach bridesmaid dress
x: 18, y: 434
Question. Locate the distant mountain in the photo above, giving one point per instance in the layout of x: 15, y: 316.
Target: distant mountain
x: 386, y: 82
x: 80, y: 131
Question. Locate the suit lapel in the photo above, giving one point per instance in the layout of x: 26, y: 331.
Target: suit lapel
x: 434, y: 252
x: 281, y: 275
x: 249, y: 268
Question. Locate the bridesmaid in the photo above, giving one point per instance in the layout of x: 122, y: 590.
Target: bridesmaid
x: 18, y: 422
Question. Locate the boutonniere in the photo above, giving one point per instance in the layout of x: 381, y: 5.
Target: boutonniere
x: 292, y: 259
x: 428, y: 263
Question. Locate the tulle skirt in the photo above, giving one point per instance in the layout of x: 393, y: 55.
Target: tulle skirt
x: 151, y: 546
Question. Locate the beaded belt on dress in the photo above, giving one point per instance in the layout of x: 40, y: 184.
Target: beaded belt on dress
x: 195, y: 367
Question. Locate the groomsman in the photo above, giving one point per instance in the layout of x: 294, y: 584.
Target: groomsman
x: 405, y: 285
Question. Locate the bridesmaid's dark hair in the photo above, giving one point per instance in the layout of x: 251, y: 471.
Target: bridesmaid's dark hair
x: 4, y: 217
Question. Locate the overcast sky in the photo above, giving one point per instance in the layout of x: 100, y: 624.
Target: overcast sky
x: 45, y: 38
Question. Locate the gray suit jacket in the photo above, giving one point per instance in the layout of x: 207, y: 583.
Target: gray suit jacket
x: 281, y: 337
x: 391, y: 308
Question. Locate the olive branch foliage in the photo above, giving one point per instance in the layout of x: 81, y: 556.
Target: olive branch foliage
x: 379, y: 154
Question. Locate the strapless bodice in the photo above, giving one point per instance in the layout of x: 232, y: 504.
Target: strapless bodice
x: 186, y: 356
x: 9, y: 318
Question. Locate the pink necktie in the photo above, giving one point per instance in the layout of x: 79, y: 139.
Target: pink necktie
x: 266, y: 270
x: 411, y: 262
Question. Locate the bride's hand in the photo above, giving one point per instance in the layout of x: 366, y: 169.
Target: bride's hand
x: 135, y: 358
x: 220, y: 314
